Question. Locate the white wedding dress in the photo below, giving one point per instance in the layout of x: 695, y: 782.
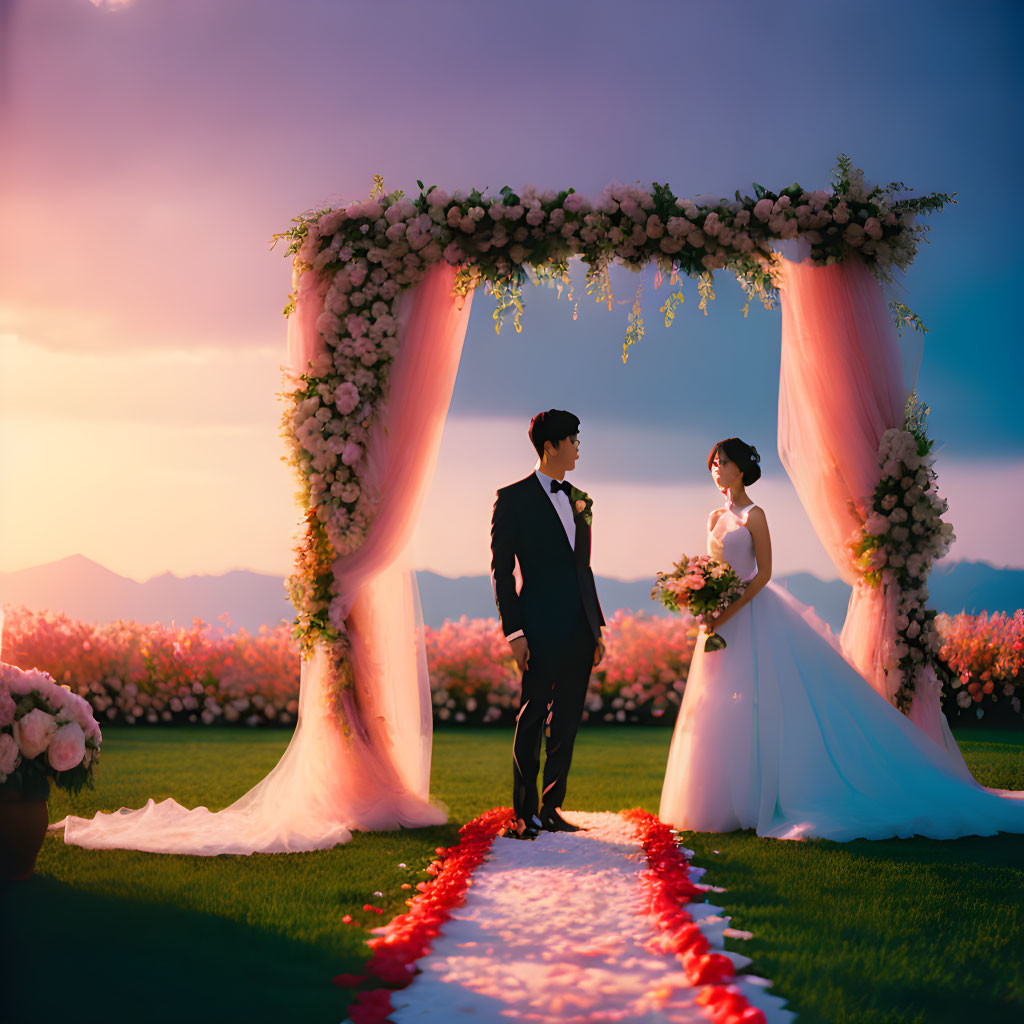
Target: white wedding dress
x: 778, y: 733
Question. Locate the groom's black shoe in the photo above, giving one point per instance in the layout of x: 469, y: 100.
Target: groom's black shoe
x: 512, y: 831
x: 552, y: 821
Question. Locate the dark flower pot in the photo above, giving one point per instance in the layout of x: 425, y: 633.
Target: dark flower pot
x: 23, y: 822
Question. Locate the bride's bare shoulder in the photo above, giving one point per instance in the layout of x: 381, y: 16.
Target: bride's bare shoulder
x: 714, y: 516
x: 756, y: 515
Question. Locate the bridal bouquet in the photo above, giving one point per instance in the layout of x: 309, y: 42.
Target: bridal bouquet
x: 46, y: 731
x: 702, y: 586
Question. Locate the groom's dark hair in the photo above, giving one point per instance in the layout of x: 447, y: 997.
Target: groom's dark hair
x: 554, y: 425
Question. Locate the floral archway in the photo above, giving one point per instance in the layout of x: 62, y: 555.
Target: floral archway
x: 368, y: 275
x: 381, y: 297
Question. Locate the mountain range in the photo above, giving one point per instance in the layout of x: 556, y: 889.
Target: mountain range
x: 85, y: 590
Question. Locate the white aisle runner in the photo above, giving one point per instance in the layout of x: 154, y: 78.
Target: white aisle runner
x: 552, y: 931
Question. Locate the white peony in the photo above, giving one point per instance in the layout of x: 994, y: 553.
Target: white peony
x: 34, y: 731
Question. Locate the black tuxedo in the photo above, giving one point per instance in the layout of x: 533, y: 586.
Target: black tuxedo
x: 560, y: 614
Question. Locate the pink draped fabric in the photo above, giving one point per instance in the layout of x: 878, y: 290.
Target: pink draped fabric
x: 841, y: 387
x: 307, y: 350
x: 376, y: 582
x: 359, y: 759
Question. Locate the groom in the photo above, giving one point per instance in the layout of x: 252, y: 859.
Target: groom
x: 554, y: 623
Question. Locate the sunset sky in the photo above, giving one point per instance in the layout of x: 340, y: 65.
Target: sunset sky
x: 152, y: 147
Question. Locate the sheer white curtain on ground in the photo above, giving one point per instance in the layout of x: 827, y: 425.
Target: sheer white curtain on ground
x: 841, y: 386
x: 359, y: 759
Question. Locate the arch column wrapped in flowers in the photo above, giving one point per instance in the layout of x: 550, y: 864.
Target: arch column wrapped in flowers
x: 847, y: 445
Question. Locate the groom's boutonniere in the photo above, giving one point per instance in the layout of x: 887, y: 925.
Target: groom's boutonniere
x: 582, y: 505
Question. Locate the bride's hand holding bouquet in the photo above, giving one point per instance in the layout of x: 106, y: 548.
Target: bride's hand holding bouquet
x: 702, y: 586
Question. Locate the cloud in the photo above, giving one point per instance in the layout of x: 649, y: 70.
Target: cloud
x: 148, y: 159
x: 162, y: 387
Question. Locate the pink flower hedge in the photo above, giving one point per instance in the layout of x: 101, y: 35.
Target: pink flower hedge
x: 473, y: 675
x: 643, y: 672
x: 203, y: 674
x: 131, y: 672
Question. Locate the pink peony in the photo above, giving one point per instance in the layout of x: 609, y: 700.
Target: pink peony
x: 370, y: 210
x: 330, y: 222
x: 631, y: 209
x: 346, y: 397
x: 67, y: 748
x: 763, y: 209
x: 678, y: 226
x: 9, y: 753
x: 22, y: 682
x: 876, y: 525
x: 873, y: 228
x: 693, y: 582
x: 7, y: 708
x: 351, y: 454
x: 34, y: 731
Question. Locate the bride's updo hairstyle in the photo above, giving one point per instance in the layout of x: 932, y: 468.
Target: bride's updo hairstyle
x: 744, y: 455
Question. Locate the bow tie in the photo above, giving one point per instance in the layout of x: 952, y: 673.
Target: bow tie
x: 561, y: 485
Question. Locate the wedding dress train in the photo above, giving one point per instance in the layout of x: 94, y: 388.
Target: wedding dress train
x: 777, y: 732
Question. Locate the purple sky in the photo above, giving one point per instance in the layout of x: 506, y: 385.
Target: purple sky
x: 152, y: 148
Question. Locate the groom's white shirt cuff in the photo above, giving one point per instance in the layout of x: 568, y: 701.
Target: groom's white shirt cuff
x: 515, y: 636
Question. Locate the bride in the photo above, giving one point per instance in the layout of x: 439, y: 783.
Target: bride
x: 777, y: 732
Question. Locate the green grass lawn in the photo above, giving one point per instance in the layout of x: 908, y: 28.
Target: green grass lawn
x: 895, y: 932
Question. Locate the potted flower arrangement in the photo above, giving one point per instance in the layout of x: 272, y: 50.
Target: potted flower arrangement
x: 46, y: 733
